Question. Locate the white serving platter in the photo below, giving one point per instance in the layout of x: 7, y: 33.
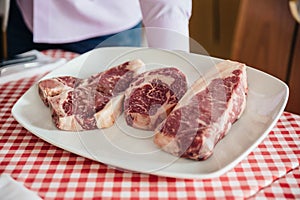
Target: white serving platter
x: 126, y: 148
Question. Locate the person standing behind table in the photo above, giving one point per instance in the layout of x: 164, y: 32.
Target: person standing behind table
x: 80, y: 25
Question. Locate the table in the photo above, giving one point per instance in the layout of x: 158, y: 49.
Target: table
x: 271, y: 170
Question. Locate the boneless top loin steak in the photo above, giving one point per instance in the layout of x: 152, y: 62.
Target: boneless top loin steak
x: 152, y: 95
x: 55, y: 86
x: 84, y: 104
x: 205, y: 113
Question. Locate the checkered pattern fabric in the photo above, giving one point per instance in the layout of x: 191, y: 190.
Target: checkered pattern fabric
x: 287, y: 187
x: 271, y: 170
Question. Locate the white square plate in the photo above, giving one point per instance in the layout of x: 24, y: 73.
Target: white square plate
x: 131, y: 149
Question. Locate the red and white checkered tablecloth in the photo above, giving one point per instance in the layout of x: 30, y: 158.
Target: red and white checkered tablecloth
x: 271, y: 170
x: 286, y: 187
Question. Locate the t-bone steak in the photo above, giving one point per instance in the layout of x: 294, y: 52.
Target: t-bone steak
x: 205, y: 113
x: 92, y: 103
x: 152, y: 95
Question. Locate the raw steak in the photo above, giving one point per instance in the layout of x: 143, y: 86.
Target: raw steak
x: 205, y: 113
x: 55, y: 86
x: 85, y: 104
x: 152, y: 95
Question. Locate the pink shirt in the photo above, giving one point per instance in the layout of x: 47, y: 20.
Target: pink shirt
x: 62, y: 21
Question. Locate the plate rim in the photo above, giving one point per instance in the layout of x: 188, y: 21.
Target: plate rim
x: 162, y: 171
